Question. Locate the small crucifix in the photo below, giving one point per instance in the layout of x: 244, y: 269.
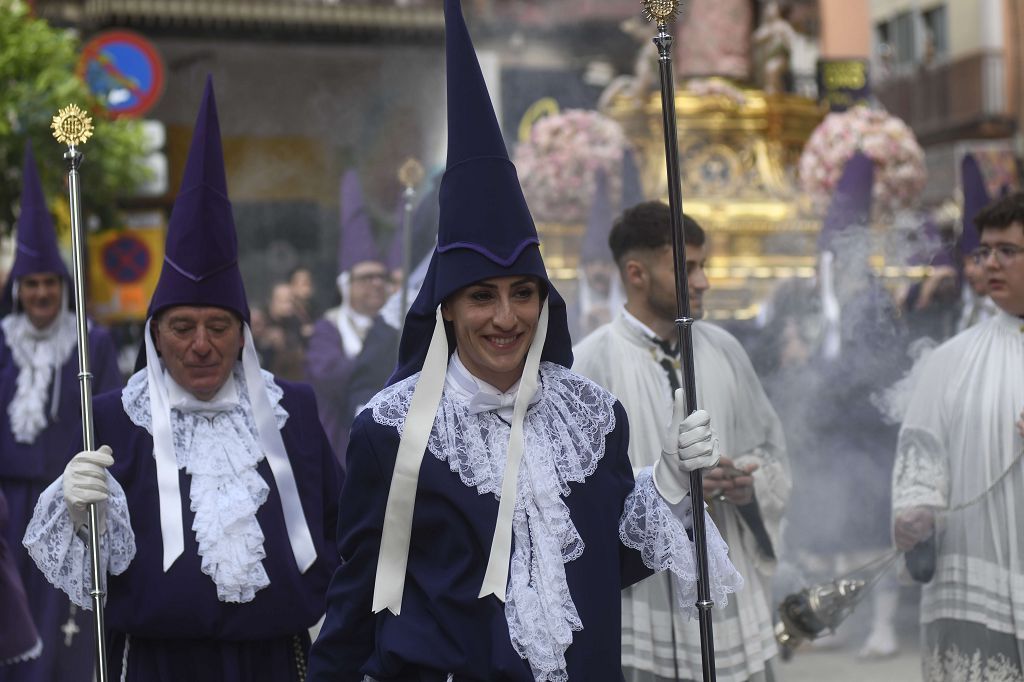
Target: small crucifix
x: 70, y: 628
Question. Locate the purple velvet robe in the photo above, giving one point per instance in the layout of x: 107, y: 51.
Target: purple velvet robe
x: 170, y: 625
x: 344, y: 386
x: 25, y: 471
x: 443, y: 626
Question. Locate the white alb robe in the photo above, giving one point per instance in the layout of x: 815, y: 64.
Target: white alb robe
x: 622, y: 357
x: 960, y: 453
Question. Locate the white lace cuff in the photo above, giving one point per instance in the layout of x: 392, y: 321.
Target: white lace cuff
x: 63, y: 557
x: 920, y: 473
x: 650, y: 526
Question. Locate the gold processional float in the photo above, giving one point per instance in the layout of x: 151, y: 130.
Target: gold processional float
x: 739, y: 149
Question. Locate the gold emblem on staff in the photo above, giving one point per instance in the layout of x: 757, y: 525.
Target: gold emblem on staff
x: 660, y: 10
x: 72, y: 126
x: 411, y: 173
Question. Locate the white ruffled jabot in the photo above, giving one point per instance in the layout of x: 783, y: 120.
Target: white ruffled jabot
x: 39, y: 355
x: 218, y: 445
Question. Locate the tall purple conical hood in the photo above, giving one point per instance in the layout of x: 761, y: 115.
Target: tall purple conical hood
x: 201, y: 258
x: 975, y: 198
x: 599, y: 224
x: 851, y: 202
x: 36, y: 249
x: 356, y: 244
x: 485, y: 228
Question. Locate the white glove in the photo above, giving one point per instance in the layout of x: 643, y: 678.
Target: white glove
x: 688, y: 444
x: 85, y: 483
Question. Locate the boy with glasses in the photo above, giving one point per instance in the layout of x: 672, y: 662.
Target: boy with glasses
x: 958, y: 476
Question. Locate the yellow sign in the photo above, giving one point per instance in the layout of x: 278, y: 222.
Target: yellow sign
x: 124, y: 266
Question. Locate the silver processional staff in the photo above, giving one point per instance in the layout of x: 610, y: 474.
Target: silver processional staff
x: 72, y: 126
x: 662, y: 12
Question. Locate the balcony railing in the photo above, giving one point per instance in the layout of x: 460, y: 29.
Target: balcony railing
x: 965, y: 96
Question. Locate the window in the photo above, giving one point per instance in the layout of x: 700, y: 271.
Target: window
x: 902, y: 38
x: 937, y: 30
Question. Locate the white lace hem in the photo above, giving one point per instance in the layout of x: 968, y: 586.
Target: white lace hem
x: 29, y: 655
x: 63, y: 556
x: 650, y: 526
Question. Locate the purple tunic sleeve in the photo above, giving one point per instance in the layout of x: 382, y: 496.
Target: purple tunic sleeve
x: 329, y: 371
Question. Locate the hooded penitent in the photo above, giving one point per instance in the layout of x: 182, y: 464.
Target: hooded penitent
x: 36, y: 250
x: 975, y: 198
x: 850, y: 210
x: 39, y: 354
x: 599, y: 224
x: 485, y: 231
x: 201, y: 269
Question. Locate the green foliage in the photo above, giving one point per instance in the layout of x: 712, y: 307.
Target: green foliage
x: 37, y: 77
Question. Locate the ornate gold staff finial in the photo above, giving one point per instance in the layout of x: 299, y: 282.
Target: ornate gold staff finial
x: 661, y: 11
x: 72, y: 126
x: 411, y: 173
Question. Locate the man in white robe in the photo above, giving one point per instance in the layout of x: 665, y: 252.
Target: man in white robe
x: 959, y: 472
x: 634, y: 357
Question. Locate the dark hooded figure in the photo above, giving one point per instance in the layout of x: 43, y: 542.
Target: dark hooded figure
x: 490, y: 515
x: 220, y: 495
x: 40, y: 419
x: 339, y: 337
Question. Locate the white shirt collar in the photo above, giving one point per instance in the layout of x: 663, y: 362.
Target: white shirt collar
x: 181, y: 399
x: 482, y: 396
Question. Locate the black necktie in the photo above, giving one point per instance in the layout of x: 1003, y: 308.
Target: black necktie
x: 750, y: 513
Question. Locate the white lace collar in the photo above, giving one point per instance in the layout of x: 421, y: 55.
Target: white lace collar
x: 219, y: 447
x: 39, y: 355
x: 565, y: 432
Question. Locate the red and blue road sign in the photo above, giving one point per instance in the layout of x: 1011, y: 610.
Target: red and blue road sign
x: 124, y: 71
x: 126, y: 259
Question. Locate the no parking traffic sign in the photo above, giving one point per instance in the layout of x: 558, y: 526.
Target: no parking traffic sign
x: 124, y: 71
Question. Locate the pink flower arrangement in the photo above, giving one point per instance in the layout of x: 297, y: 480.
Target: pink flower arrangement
x: 557, y: 165
x: 899, y: 161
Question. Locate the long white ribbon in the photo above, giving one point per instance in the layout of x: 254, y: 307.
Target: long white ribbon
x: 277, y: 457
x: 496, y: 575
x: 389, y: 584
x: 171, y: 525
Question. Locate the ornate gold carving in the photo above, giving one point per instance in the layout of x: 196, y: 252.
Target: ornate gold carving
x: 72, y: 126
x: 660, y: 11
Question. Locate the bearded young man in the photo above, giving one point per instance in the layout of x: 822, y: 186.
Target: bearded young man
x: 636, y: 358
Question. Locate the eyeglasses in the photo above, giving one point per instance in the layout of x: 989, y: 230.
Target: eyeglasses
x: 1004, y: 253
x: 372, y: 277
